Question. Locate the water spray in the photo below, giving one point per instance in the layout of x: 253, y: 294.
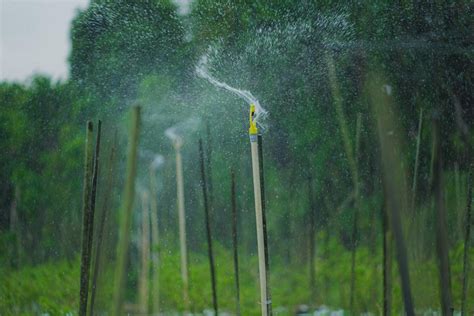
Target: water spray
x: 255, y: 144
x: 203, y: 72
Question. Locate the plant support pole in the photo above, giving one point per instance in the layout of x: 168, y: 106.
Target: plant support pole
x: 182, y: 223
x: 208, y: 229
x: 85, y: 256
x: 417, y: 162
x: 145, y: 256
x: 155, y: 292
x: 101, y: 228
x: 264, y: 219
x: 235, y: 243
x: 126, y: 213
x: 253, y: 132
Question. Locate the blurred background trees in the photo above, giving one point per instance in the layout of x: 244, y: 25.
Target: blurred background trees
x: 143, y: 51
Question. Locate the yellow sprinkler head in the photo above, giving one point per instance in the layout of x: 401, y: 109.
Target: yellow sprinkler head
x: 253, y: 130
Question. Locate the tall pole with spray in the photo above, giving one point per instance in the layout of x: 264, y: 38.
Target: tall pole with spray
x: 182, y: 221
x: 262, y: 258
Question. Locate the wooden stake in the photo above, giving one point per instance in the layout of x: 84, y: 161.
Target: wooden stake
x: 417, y: 161
x: 86, y: 211
x: 155, y: 292
x: 259, y: 223
x: 208, y: 230
x: 441, y: 230
x: 352, y: 161
x: 392, y: 174
x: 103, y: 217
x: 312, y: 241
x: 235, y: 243
x: 145, y: 256
x: 182, y: 224
x: 467, y: 236
x: 387, y: 261
x: 355, y: 220
x: 126, y: 213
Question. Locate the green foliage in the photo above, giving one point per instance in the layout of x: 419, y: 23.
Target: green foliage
x: 142, y: 51
x: 50, y: 287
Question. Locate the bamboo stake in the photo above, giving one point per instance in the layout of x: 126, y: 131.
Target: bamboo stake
x: 352, y: 160
x: 95, y: 176
x: 209, y: 168
x: 86, y: 210
x: 417, y: 161
x: 392, y: 183
x: 103, y: 217
x: 356, y: 213
x: 126, y: 212
x: 464, y: 131
x: 441, y: 230
x: 145, y: 256
x: 312, y: 241
x: 264, y: 220
x: 387, y: 261
x: 182, y: 223
x: 235, y: 243
x: 265, y: 303
x: 155, y: 292
x: 208, y: 229
x: 467, y: 235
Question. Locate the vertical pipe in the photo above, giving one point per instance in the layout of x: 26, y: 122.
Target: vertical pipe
x: 417, y: 161
x: 155, y: 291
x: 442, y: 246
x: 312, y: 241
x: 101, y: 228
x: 264, y: 221
x: 87, y: 182
x: 145, y: 256
x: 235, y: 243
x: 126, y: 213
x: 182, y: 224
x: 208, y: 229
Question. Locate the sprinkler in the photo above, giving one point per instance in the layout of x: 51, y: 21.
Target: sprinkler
x: 259, y: 213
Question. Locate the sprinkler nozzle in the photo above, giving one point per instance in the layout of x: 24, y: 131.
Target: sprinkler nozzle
x: 253, y: 130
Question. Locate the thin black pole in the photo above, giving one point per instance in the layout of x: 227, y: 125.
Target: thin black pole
x: 95, y: 177
x: 103, y: 217
x: 208, y: 229
x: 86, y: 210
x: 312, y: 241
x: 467, y: 235
x: 235, y: 242
x: 442, y: 246
x: 264, y: 220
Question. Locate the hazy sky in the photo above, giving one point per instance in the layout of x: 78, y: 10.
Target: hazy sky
x: 34, y: 37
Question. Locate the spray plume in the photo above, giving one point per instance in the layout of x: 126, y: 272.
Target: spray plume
x: 157, y: 162
x: 203, y: 72
x: 175, y: 132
